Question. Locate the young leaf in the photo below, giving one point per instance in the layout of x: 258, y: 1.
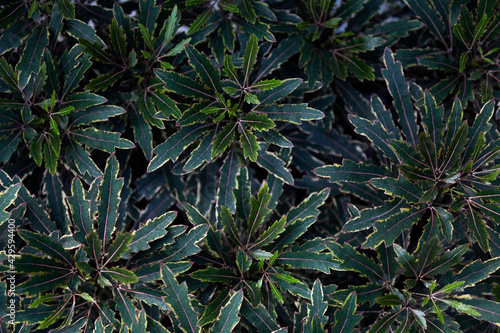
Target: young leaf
x: 258, y: 210
x: 271, y: 233
x: 249, y: 57
x: 249, y: 144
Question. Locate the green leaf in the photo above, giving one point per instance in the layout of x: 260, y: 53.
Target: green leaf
x: 183, y: 85
x: 249, y: 144
x: 400, y: 187
x: 67, y: 8
x: 146, y: 36
x: 406, y: 261
x: 40, y: 283
x: 224, y: 139
x: 368, y: 217
x: 30, y: 61
x: 447, y: 260
x: 79, y: 29
x: 482, y: 309
x: 150, y: 231
x: 212, y: 274
x: 185, y: 245
x: 125, y: 307
x: 309, y: 260
x: 119, y: 274
x: 258, y: 121
x: 352, y: 172
x: 266, y: 84
x: 230, y: 227
x: 175, y: 145
x: 271, y: 233
x: 212, y: 311
x: 118, y: 40
x: 178, y: 300
x: 317, y: 308
x: 84, y: 100
x: 46, y: 245
x: 481, y: 124
x: 103, y: 140
x: 228, y: 173
x: 259, y: 317
x: 352, y: 260
x: 204, y: 69
x: 345, y: 318
x: 29, y: 263
x: 293, y: 113
x: 148, y: 14
x: 8, y: 75
x: 461, y: 307
x: 96, y: 50
x: 388, y: 230
x: 273, y: 164
x: 109, y: 192
x: 258, y: 210
x: 104, y: 81
x: 478, y: 228
x: 457, y: 145
x: 400, y: 91
x: 228, y: 317
x: 200, y: 21
x: 450, y: 287
x: 165, y: 104
x: 286, y: 48
x: 118, y: 247
x: 286, y: 87
x: 242, y: 261
x: 7, y: 198
x: 250, y: 56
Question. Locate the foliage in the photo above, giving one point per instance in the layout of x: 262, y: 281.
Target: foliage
x: 250, y: 166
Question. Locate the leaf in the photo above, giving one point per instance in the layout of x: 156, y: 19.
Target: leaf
x: 204, y: 69
x: 148, y: 14
x: 118, y: 40
x: 285, y: 49
x: 243, y: 262
x: 8, y: 75
x: 368, y: 217
x: 200, y: 21
x: 119, y: 274
x: 59, y: 211
x: 178, y: 300
x: 142, y: 132
x: 30, y: 61
x: 286, y: 87
x: 249, y: 144
x: 352, y: 260
x: 104, y: 81
x: 227, y: 182
x: 258, y: 210
x: 259, y: 317
x: 185, y: 245
x: 228, y: 317
x: 250, y: 56
x: 230, y: 227
x: 293, y: 113
x: 345, y: 318
x: 429, y: 17
x: 165, y: 104
x: 400, y: 91
x: 224, y: 139
x: 456, y: 148
x: 317, y: 308
x: 150, y: 231
x: 7, y: 197
x: 271, y: 233
x: 389, y: 229
x: 273, y: 164
x: 40, y: 283
x: 478, y: 228
x: 309, y: 260
x: 46, y: 245
x: 212, y: 311
x: 180, y: 84
x: 258, y: 121
x: 109, y: 192
x: 483, y: 309
x: 481, y: 125
x: 461, y: 307
x: 125, y: 307
x: 79, y: 29
x: 400, y: 187
x: 352, y: 172
x: 118, y: 247
x: 175, y: 145
x: 96, y: 50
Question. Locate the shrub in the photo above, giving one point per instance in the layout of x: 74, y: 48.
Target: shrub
x: 249, y: 166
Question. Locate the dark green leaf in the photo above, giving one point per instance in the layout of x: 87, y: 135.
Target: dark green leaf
x: 30, y: 61
x: 293, y: 113
x: 228, y: 317
x: 259, y: 317
x: 182, y: 85
x: 204, y: 69
x: 274, y: 165
x: 309, y: 260
x: 352, y: 260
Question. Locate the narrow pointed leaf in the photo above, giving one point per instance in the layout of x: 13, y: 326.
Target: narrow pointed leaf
x: 125, y: 307
x: 119, y: 246
x: 293, y: 113
x: 230, y: 227
x: 223, y: 139
x: 119, y: 274
x: 352, y: 172
x: 249, y: 57
x: 109, y: 192
x: 389, y: 229
x: 30, y: 61
x: 368, y: 217
x: 400, y: 187
x: 485, y: 309
x: 258, y: 210
x: 40, y: 283
x: 271, y: 233
x: 352, y: 260
x: 150, y: 231
x: 175, y: 145
x: 345, y: 318
x: 183, y: 85
x: 227, y: 181
x: 228, y: 317
x: 481, y: 125
x: 204, y: 69
x: 400, y: 91
x: 249, y: 144
x: 259, y: 317
x: 309, y: 260
x: 47, y: 246
x: 178, y: 300
x: 185, y: 244
x: 286, y: 87
x: 274, y: 165
x: 103, y: 140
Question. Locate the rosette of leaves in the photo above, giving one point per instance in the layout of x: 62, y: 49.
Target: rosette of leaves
x: 222, y: 21
x: 439, y: 181
x: 329, y: 51
x: 42, y: 102
x: 97, y: 277
x: 234, y: 112
x: 251, y: 254
x: 463, y: 49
